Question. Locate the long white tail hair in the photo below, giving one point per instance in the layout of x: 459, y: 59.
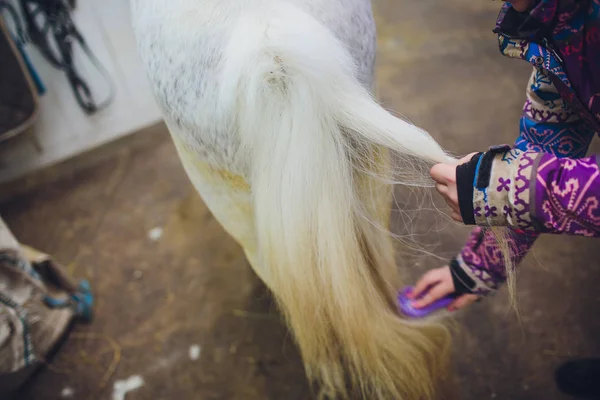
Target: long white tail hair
x: 318, y: 146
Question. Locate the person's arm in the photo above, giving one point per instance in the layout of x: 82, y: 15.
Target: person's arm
x: 531, y: 191
x: 548, y: 124
x: 521, y: 186
x: 563, y: 198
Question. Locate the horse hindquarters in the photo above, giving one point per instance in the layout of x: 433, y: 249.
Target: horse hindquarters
x: 310, y: 214
x: 308, y: 128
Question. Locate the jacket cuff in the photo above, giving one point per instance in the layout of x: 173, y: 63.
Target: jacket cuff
x: 465, y: 178
x: 463, y: 284
x: 500, y: 192
x: 470, y: 279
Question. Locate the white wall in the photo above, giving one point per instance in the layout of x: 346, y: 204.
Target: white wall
x: 63, y: 129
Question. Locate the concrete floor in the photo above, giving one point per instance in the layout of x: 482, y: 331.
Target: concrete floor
x: 159, y: 297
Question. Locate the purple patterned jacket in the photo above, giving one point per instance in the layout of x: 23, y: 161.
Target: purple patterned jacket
x: 543, y: 183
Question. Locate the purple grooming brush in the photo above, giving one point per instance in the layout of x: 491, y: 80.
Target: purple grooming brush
x: 407, y: 309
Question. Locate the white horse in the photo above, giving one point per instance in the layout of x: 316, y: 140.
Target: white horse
x: 269, y: 105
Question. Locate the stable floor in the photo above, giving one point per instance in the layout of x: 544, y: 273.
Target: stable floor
x: 179, y: 306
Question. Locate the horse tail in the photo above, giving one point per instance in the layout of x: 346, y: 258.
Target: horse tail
x: 314, y: 136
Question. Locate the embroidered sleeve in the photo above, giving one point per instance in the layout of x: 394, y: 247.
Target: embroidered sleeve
x: 506, y: 187
x: 480, y: 267
x: 549, y: 123
x: 493, y: 190
x: 537, y: 193
x: 566, y: 195
x: 534, y: 192
x: 502, y: 193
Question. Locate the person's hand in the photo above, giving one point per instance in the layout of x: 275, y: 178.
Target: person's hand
x: 439, y: 282
x: 445, y: 177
